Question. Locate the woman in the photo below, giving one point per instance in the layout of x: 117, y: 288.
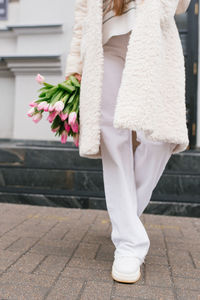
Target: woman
x: 129, y: 58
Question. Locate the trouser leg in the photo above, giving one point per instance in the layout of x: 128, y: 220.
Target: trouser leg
x: 128, y: 233
x: 150, y: 160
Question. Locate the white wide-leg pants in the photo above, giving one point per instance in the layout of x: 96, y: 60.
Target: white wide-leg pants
x: 129, y: 178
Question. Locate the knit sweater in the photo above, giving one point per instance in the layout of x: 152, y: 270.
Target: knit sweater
x: 116, y: 25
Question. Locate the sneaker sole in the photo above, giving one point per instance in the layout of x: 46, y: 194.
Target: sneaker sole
x: 125, y: 278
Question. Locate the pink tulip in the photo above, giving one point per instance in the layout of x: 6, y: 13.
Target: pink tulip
x: 72, y: 117
x: 51, y: 107
x: 76, y: 139
x: 67, y: 126
x: 64, y: 136
x: 40, y: 79
x: 75, y: 126
x: 31, y: 112
x: 63, y: 116
x: 46, y: 107
x: 52, y: 116
x: 55, y: 129
x: 41, y: 105
x: 59, y: 105
x: 33, y: 104
x: 37, y: 117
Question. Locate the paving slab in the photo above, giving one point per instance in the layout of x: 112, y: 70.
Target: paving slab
x: 67, y: 253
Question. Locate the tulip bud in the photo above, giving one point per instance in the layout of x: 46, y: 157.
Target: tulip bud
x: 75, y: 126
x: 41, y: 105
x: 33, y: 104
x: 63, y: 116
x: 46, y: 107
x: 51, y: 107
x: 55, y: 129
x: 37, y: 117
x: 40, y: 79
x: 58, y: 106
x: 64, y: 136
x: 67, y: 126
x: 76, y: 139
x: 72, y: 117
x: 31, y: 112
x: 52, y: 116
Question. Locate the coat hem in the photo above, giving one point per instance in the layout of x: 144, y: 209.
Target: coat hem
x: 180, y: 146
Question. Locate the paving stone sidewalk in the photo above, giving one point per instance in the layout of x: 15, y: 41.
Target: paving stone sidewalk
x: 66, y: 253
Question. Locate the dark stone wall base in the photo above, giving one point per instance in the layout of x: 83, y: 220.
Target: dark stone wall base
x: 154, y: 207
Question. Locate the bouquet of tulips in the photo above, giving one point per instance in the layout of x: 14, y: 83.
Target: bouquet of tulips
x: 61, y: 101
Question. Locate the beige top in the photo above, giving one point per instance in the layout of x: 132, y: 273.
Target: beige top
x: 116, y: 25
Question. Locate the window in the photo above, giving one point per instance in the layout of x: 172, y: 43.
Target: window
x: 3, y: 9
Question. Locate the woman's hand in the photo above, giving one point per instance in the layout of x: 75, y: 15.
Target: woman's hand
x: 78, y: 76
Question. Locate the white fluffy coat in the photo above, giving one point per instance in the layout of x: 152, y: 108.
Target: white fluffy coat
x: 151, y: 96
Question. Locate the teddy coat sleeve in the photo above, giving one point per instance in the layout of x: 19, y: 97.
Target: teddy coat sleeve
x: 73, y: 61
x: 182, y: 6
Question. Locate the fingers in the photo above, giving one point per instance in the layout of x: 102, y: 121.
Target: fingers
x: 78, y: 76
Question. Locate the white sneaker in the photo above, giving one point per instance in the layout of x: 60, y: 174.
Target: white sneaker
x: 126, y: 269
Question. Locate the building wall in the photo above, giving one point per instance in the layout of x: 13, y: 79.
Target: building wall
x: 35, y: 39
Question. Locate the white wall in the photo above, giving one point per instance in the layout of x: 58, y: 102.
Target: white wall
x: 7, y: 103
